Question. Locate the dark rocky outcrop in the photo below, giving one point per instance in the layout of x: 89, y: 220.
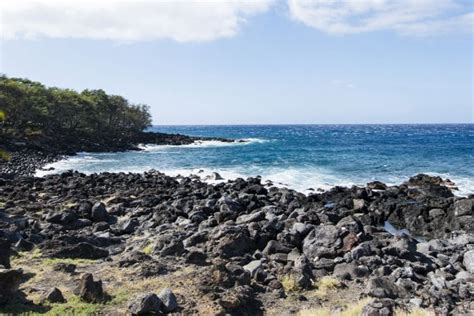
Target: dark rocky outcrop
x: 53, y: 296
x: 145, y: 304
x: 10, y: 280
x: 89, y: 290
x: 247, y: 236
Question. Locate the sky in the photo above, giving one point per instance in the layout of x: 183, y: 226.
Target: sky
x: 254, y: 62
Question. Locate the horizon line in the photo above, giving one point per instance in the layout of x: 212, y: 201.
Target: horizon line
x: 310, y: 124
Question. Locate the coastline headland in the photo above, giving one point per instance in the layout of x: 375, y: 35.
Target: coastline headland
x: 28, y: 154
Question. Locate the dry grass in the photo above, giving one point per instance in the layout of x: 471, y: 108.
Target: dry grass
x: 414, y: 312
x: 352, y: 309
x: 324, y: 287
x: 25, y: 257
x: 321, y: 288
x: 76, y: 261
x: 355, y: 309
x: 289, y: 283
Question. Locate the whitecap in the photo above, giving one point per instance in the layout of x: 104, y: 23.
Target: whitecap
x: 204, y: 144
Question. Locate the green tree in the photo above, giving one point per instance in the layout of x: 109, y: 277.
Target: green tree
x: 29, y: 107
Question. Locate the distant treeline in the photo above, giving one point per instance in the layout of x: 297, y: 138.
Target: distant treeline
x: 30, y: 108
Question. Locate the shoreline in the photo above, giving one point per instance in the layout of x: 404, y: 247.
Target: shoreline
x: 28, y: 155
x: 219, y: 175
x: 239, y: 247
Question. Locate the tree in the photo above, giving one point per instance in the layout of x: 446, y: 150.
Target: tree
x: 92, y: 115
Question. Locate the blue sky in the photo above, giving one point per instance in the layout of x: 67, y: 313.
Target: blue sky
x: 271, y: 63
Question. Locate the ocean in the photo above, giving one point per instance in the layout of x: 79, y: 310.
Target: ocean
x: 303, y: 157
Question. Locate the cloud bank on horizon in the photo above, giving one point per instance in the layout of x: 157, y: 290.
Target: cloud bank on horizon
x: 201, y: 21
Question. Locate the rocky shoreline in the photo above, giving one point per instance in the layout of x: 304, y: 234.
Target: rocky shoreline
x: 140, y: 243
x: 28, y: 154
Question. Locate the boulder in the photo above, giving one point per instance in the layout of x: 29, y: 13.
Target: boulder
x: 175, y: 248
x: 382, y: 287
x: 145, y: 304
x: 274, y: 246
x: 195, y: 239
x: 89, y: 290
x: 323, y: 240
x: 468, y: 261
x: 376, y: 185
x: 253, y: 266
x: 379, y: 307
x: 464, y: 207
x: 5, y: 253
x: 349, y: 242
x: 465, y: 276
x: 53, y: 296
x: 359, y: 204
x: 131, y: 258
x: 214, y: 177
x: 350, y: 271
x: 61, y: 217
x: 85, y: 209
x: 99, y: 212
x: 234, y: 242
x: 226, y: 204
x: 10, y: 280
x: 362, y: 250
x: 253, y: 217
x: 24, y: 245
x: 429, y: 185
x: 196, y: 257
x: 65, y: 267
x: 83, y: 250
x: 350, y: 223
x: 238, y: 301
x: 168, y: 300
x: 129, y: 226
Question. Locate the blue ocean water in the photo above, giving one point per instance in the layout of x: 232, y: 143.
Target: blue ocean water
x: 304, y: 156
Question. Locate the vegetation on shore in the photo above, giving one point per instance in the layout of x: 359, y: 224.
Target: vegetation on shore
x: 30, y: 109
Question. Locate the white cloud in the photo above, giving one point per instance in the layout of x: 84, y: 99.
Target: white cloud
x: 122, y: 20
x: 408, y: 17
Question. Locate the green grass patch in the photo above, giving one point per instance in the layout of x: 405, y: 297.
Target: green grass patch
x: 148, y: 249
x: 76, y: 261
x: 119, y: 297
x: 33, y: 254
x: 5, y: 156
x: 74, y: 306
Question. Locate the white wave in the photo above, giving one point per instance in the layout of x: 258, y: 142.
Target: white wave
x: 204, y: 144
x: 307, y: 180
x: 254, y: 140
x: 74, y: 163
x: 303, y: 179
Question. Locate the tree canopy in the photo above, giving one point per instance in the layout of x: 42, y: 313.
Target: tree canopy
x: 30, y: 107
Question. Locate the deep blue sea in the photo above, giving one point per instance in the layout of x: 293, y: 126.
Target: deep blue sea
x: 304, y: 156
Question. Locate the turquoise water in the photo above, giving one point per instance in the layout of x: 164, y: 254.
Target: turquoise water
x: 304, y: 156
